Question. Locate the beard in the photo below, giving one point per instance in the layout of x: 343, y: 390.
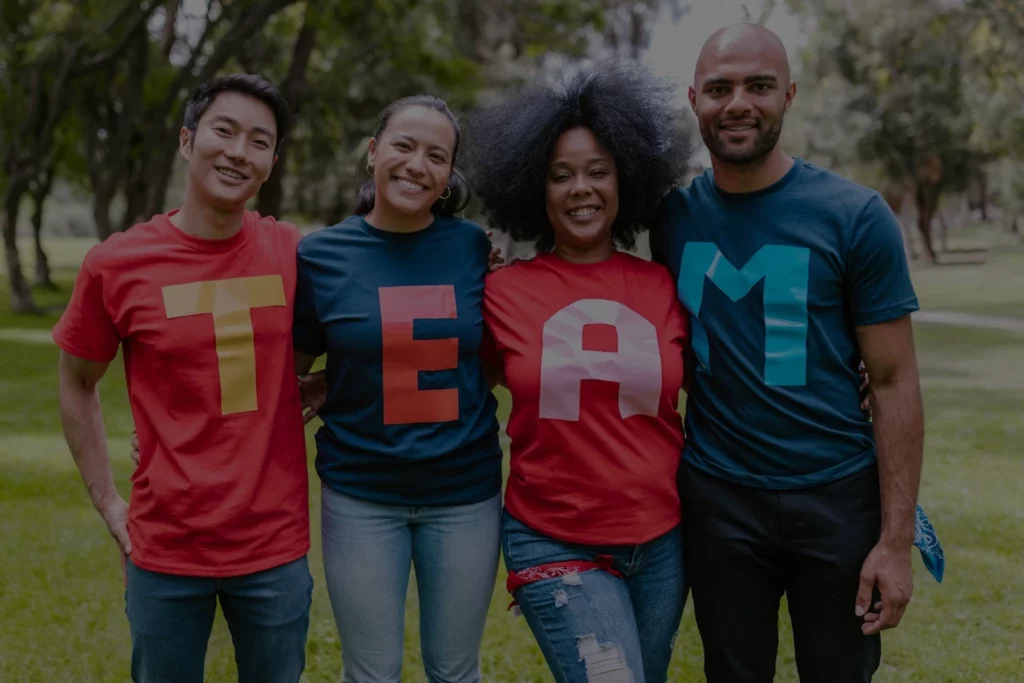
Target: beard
x: 758, y: 148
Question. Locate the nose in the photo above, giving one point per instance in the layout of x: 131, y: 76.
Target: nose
x: 738, y: 105
x: 236, y: 148
x: 580, y: 186
x: 415, y: 164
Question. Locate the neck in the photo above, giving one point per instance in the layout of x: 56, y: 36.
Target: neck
x: 205, y: 222
x: 392, y: 221
x: 582, y: 255
x: 740, y: 178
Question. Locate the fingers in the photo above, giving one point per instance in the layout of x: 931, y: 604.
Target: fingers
x: 124, y: 567
x: 894, y: 606
x: 885, y: 618
x: 135, y: 448
x: 120, y: 534
x: 873, y: 615
x: 863, y: 603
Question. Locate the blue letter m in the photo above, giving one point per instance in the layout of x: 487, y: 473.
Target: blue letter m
x: 785, y: 271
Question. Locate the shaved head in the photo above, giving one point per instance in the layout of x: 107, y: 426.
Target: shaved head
x: 740, y: 93
x: 742, y: 42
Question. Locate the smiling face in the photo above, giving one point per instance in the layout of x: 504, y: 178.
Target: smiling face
x: 412, y: 160
x: 582, y: 192
x: 231, y: 153
x: 741, y: 92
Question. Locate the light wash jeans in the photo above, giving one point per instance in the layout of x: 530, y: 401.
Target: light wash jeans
x: 368, y: 549
x: 595, y: 626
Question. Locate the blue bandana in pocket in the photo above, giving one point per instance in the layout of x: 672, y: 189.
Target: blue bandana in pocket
x: 928, y: 543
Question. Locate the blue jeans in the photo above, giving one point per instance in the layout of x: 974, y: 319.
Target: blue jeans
x: 368, y: 549
x: 595, y: 626
x: 171, y: 618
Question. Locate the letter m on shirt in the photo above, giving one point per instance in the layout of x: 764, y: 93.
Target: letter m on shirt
x: 785, y: 271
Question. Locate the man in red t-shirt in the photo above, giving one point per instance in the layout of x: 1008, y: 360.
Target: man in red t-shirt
x: 200, y: 300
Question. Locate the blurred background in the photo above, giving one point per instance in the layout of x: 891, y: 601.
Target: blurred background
x: 922, y: 100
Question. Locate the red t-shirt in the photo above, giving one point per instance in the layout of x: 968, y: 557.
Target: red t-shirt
x: 593, y: 358
x: 205, y: 325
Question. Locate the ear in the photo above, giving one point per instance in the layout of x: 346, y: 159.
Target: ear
x: 371, y: 151
x: 692, y: 96
x: 790, y: 94
x: 185, y: 143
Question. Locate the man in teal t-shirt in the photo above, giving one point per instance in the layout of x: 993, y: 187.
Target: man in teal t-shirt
x: 791, y: 274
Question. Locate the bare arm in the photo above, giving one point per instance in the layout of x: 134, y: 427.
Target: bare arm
x: 888, y: 351
x: 82, y: 421
x: 312, y: 388
x: 303, y: 363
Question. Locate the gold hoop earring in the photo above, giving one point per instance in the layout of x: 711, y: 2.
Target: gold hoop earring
x: 447, y: 193
x: 369, y: 170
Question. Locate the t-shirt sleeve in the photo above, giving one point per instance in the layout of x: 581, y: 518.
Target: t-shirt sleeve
x: 86, y: 330
x: 490, y: 355
x: 878, y: 275
x: 657, y: 233
x: 308, y: 334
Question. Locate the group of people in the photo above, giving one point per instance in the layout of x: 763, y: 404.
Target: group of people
x: 772, y: 279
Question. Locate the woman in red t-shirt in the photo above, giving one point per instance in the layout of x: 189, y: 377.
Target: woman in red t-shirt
x: 590, y: 342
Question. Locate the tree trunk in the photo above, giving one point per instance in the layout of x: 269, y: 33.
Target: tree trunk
x: 984, y: 197
x: 39, y: 194
x: 21, y: 293
x: 271, y: 197
x: 926, y: 201
x: 101, y: 215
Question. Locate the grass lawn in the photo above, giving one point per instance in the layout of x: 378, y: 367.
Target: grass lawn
x: 61, y: 598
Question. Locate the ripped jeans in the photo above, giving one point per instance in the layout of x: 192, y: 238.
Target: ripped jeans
x: 595, y: 627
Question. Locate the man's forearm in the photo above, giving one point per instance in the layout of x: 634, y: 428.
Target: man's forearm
x: 82, y: 421
x: 899, y: 440
x: 303, y: 363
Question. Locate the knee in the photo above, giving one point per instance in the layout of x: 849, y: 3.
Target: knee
x: 603, y: 662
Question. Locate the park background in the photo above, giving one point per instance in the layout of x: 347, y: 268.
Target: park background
x: 920, y: 99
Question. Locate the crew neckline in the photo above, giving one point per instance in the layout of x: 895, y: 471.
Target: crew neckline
x: 164, y: 222
x: 395, y: 235
x: 554, y: 257
x: 778, y: 185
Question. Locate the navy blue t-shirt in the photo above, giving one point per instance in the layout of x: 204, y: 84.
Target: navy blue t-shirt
x: 776, y: 282
x: 409, y: 417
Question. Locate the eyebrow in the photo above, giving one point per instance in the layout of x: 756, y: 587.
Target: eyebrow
x: 591, y: 160
x: 432, y: 147
x: 757, y: 78
x: 259, y: 129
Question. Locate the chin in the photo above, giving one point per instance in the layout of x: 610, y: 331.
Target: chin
x: 410, y: 208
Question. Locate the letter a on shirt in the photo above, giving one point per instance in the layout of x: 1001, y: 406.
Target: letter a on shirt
x: 565, y: 363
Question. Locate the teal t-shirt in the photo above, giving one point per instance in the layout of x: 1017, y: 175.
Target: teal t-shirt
x: 776, y: 283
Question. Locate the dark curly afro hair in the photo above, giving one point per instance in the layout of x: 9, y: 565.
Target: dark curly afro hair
x: 508, y: 148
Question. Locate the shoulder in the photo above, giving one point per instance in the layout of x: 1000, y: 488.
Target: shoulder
x: 511, y: 276
x: 123, y: 249
x: 463, y: 228
x: 269, y: 228
x: 649, y: 272
x: 837, y: 190
x: 312, y: 243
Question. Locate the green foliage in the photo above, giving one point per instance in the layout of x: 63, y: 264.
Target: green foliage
x: 896, y: 86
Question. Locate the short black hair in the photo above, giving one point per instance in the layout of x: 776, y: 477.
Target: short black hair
x: 630, y: 112
x: 459, y: 197
x: 252, y: 85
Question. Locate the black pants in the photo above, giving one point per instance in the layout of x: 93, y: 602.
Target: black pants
x: 746, y: 547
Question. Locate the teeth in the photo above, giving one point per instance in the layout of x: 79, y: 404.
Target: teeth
x: 232, y: 174
x: 740, y: 128
x: 583, y: 212
x: 409, y: 185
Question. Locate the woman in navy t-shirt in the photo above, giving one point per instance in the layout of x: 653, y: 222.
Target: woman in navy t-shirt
x: 408, y: 454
